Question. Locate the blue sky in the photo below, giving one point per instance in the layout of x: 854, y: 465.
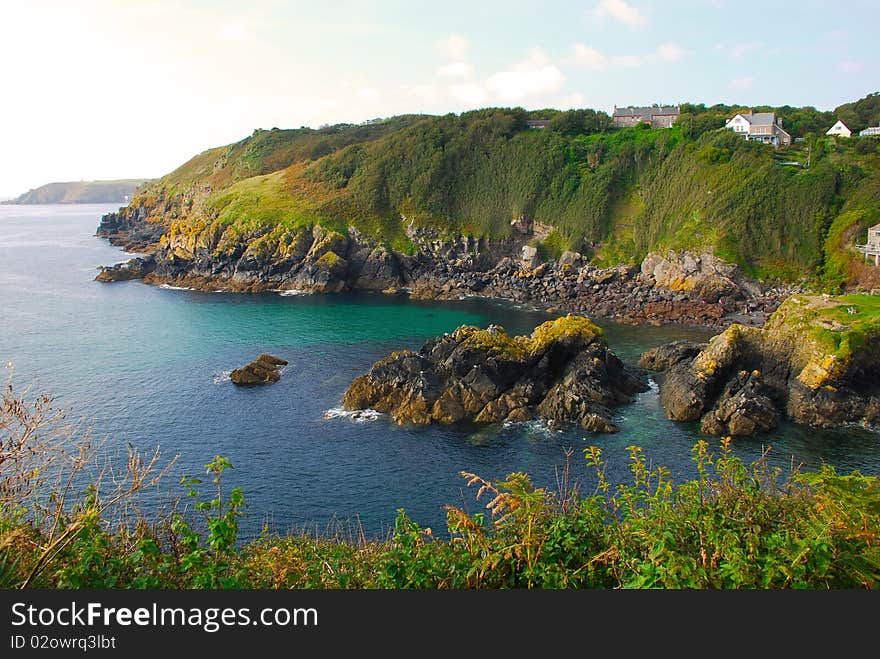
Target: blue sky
x: 108, y: 88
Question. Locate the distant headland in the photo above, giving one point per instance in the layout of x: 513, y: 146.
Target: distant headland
x: 81, y: 192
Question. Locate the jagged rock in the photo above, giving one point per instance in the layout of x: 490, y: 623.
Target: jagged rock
x: 263, y: 370
x: 374, y: 269
x: 804, y: 363
x: 743, y: 408
x: 136, y: 268
x: 664, y: 357
x: 564, y: 373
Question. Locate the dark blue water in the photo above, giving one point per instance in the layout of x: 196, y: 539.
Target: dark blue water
x: 148, y: 366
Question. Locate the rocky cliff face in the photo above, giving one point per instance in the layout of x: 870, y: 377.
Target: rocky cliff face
x: 563, y: 373
x: 695, y: 289
x: 807, y: 363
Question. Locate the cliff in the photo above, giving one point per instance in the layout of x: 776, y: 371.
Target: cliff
x: 456, y: 195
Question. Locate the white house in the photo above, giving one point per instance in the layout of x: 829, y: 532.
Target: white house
x: 761, y: 127
x: 872, y: 247
x: 839, y: 129
x: 870, y: 131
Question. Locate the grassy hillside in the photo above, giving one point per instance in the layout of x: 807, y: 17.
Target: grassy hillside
x: 81, y: 192
x: 613, y: 194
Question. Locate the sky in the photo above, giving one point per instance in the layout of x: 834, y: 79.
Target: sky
x: 105, y: 89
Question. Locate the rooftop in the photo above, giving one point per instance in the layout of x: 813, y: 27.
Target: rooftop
x: 646, y: 111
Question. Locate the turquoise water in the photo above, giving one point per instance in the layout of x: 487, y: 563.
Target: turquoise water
x: 149, y: 366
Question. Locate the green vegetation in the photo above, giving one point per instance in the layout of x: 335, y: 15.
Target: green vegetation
x: 831, y: 329
x: 732, y: 526
x: 862, y: 113
x: 81, y: 192
x: 613, y: 194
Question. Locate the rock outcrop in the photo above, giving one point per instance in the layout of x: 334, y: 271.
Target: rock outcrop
x: 263, y: 370
x: 136, y: 268
x: 563, y: 373
x: 816, y: 361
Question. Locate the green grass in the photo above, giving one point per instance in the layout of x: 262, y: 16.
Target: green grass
x: 836, y: 328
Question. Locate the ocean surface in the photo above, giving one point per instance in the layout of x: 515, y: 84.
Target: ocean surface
x: 149, y: 366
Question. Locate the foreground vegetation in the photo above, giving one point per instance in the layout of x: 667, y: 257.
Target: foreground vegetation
x: 613, y: 194
x: 68, y: 520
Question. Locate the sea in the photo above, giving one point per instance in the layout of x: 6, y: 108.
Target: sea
x: 134, y: 365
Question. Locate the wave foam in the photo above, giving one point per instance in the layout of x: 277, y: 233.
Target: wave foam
x: 536, y: 426
x: 287, y: 292
x: 169, y: 287
x: 358, y: 416
x: 221, y: 377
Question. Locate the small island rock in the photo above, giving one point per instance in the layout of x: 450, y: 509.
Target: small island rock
x: 564, y: 372
x: 263, y: 370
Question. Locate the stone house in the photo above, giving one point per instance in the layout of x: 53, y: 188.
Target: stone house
x: 657, y: 116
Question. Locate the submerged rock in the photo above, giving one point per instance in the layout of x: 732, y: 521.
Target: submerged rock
x: 816, y: 361
x: 564, y: 372
x: 263, y: 370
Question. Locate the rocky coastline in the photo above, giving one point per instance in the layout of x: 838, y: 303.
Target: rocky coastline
x: 685, y: 288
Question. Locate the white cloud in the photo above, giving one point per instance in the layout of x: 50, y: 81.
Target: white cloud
x: 669, y: 52
x: 234, y: 32
x: 575, y: 100
x: 471, y: 95
x: 587, y: 57
x: 836, y: 35
x: 454, y: 46
x: 456, y: 70
x: 739, y: 51
x: 851, y: 66
x: 621, y: 11
x: 742, y: 84
x: 534, y: 75
x: 368, y: 94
